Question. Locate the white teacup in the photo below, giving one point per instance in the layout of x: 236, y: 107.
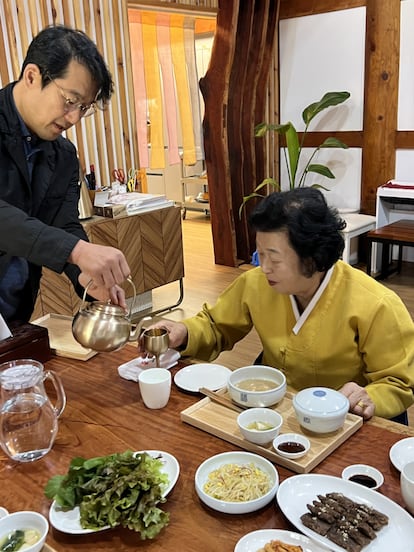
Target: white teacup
x: 407, y: 485
x: 155, y: 387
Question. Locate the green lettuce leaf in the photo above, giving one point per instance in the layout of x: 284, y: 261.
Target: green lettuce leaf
x: 119, y: 489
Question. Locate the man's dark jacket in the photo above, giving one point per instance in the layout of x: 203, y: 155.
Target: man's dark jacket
x: 38, y: 220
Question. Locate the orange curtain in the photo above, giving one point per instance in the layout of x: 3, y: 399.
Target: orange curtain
x: 166, y: 89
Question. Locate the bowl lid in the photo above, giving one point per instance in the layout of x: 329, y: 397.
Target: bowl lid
x: 321, y: 400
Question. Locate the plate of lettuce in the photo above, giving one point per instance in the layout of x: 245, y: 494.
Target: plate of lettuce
x: 124, y: 489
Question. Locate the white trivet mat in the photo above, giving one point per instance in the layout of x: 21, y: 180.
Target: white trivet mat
x: 130, y: 370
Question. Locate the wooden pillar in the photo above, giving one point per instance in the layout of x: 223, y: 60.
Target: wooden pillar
x: 214, y: 87
x: 381, y: 97
x: 233, y: 90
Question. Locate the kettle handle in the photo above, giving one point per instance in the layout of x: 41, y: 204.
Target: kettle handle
x: 85, y: 291
x: 131, y: 308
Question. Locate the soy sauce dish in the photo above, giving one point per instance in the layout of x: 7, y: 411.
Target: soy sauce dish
x: 365, y: 475
x: 291, y: 445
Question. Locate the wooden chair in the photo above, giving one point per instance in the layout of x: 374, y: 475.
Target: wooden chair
x: 399, y: 233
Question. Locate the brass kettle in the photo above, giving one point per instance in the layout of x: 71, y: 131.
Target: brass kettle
x: 104, y: 327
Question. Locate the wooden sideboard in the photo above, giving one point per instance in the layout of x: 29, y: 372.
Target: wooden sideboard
x: 151, y: 242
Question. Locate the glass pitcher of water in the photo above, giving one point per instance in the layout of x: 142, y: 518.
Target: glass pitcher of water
x: 28, y: 419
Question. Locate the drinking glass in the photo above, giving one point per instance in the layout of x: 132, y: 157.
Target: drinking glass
x: 407, y: 485
x: 156, y: 342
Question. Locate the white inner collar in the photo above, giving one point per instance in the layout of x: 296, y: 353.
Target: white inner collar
x: 301, y: 318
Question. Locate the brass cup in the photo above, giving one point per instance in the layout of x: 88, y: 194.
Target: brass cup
x: 156, y: 342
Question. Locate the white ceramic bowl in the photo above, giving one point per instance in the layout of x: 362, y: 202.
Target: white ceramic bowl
x: 3, y: 512
x: 257, y: 398
x: 25, y: 520
x: 320, y: 409
x: 259, y: 416
x: 363, y: 474
x: 239, y: 458
x: 289, y: 439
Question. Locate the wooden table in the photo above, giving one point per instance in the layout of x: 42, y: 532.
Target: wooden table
x: 105, y: 414
x: 399, y: 233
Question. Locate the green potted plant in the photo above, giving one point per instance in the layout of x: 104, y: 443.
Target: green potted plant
x: 292, y: 151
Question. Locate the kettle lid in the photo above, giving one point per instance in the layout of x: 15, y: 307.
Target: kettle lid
x: 107, y: 308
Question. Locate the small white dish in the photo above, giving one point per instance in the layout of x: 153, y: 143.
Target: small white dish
x: 254, y: 541
x: 365, y: 475
x: 194, y: 376
x: 289, y: 440
x: 259, y: 417
x: 25, y: 520
x: 240, y: 459
x: 402, y: 452
x: 69, y: 521
x: 3, y: 512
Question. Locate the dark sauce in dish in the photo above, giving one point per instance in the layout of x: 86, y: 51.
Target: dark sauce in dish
x: 363, y: 479
x: 291, y: 447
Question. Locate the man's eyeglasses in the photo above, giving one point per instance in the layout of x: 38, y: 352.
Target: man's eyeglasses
x: 72, y: 105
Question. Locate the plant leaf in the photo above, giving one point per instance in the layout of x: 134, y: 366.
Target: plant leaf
x: 261, y: 129
x: 292, y: 144
x: 320, y: 186
x: 333, y: 143
x: 246, y: 199
x: 321, y: 169
x: 328, y: 100
x: 267, y: 182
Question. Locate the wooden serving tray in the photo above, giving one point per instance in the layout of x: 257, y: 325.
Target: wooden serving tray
x: 61, y: 338
x: 222, y: 421
x: 48, y: 548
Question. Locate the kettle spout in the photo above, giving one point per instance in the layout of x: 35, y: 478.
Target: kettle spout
x: 134, y: 335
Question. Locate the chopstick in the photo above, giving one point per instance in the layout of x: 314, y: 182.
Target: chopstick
x: 224, y: 401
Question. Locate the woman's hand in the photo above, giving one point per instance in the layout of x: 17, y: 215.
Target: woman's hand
x: 359, y: 400
x: 177, y: 332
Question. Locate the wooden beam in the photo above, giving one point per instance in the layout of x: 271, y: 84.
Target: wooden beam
x: 352, y: 138
x: 404, y: 139
x: 298, y: 8
x: 381, y: 97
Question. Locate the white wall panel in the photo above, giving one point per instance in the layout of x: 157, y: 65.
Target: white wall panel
x: 406, y: 84
x: 405, y: 165
x: 320, y: 53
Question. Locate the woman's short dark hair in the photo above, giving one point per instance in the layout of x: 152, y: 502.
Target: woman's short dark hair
x: 56, y: 46
x: 313, y: 228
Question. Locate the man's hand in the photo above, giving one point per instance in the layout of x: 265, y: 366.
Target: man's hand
x: 115, y: 294
x: 105, y: 265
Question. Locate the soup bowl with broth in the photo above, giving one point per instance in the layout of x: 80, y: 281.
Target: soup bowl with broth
x: 257, y: 386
